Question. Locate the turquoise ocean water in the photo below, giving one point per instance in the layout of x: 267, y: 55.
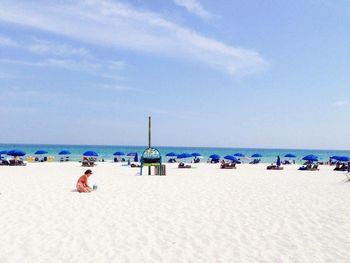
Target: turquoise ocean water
x: 106, y: 152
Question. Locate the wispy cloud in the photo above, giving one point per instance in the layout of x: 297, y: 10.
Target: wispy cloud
x: 118, y: 88
x: 194, y: 7
x: 48, y: 47
x: 7, y: 41
x: 116, y: 25
x: 341, y: 103
x: 41, y: 46
x: 98, y: 69
x: 7, y: 76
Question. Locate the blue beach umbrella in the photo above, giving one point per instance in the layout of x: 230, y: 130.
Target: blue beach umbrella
x: 41, y: 152
x: 16, y: 153
x: 290, y: 155
x: 343, y: 159
x: 310, y: 158
x: 214, y: 156
x: 231, y: 158
x: 335, y: 157
x: 118, y: 154
x: 196, y: 154
x: 184, y: 156
x: 64, y: 152
x: 239, y: 155
x: 90, y: 153
x: 256, y: 155
x: 136, y: 158
x: 131, y: 154
x: 171, y: 154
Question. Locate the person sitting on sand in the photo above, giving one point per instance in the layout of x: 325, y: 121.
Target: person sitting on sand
x: 82, y: 184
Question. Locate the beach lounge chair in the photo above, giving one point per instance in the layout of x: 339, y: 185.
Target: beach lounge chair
x: 231, y: 165
x: 4, y: 162
x: 182, y: 165
x: 314, y: 167
x: 17, y: 163
x: 274, y: 167
x: 255, y: 161
x: 309, y: 167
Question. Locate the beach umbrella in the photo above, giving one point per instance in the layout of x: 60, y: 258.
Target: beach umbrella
x: 239, y: 155
x: 131, y: 154
x: 311, y: 158
x: 256, y: 155
x: 64, y: 152
x: 214, y: 156
x: 171, y: 154
x: 136, y: 158
x: 41, y: 152
x: 343, y: 159
x: 90, y: 153
x: 196, y: 154
x: 16, y: 153
x: 3, y: 152
x: 290, y: 155
x: 184, y: 156
x: 335, y: 157
x: 278, y: 162
x: 118, y: 154
x: 231, y: 158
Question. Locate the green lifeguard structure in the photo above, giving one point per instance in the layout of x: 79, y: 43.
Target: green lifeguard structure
x: 151, y: 156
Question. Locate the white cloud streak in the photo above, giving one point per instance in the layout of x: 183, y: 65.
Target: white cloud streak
x: 98, y: 69
x: 194, y: 7
x: 47, y: 47
x: 6, y: 41
x: 341, y: 103
x: 117, y: 25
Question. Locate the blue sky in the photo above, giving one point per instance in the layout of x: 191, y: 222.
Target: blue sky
x: 210, y: 73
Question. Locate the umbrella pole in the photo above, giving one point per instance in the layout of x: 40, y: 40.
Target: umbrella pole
x: 149, y: 140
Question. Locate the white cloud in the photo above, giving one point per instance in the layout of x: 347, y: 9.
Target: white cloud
x: 47, y: 47
x: 98, y: 69
x: 194, y: 7
x: 117, y: 25
x: 6, y: 76
x: 341, y: 103
x: 118, y: 88
x: 6, y: 41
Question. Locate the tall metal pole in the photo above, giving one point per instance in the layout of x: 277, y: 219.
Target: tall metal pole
x: 149, y: 140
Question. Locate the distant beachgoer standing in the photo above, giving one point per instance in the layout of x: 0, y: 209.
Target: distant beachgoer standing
x: 82, y: 184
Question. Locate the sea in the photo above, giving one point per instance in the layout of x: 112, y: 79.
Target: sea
x: 106, y: 152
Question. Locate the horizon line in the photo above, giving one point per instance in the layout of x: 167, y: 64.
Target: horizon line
x: 168, y: 146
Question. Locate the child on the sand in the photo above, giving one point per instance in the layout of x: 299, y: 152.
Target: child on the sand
x: 82, y: 184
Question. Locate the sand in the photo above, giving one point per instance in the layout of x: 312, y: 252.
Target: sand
x: 191, y: 215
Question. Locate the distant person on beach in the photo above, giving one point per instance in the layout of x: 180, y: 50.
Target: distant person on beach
x: 82, y: 184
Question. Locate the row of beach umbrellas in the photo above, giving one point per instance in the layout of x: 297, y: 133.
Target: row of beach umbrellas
x: 311, y: 157
x: 216, y: 156
x: 22, y: 153
x: 63, y: 152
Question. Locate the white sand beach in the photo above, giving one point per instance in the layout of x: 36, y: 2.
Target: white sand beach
x: 190, y: 215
